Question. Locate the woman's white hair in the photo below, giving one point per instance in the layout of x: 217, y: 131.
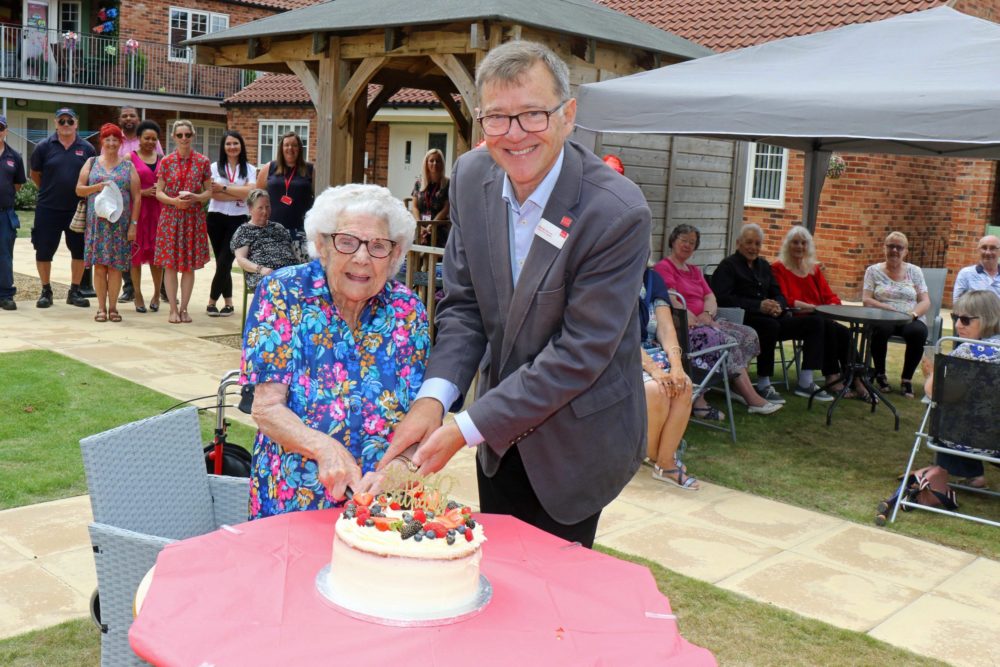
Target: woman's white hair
x: 785, y: 255
x: 333, y: 203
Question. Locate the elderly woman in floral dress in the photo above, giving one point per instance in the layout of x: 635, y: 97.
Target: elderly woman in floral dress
x: 337, y: 352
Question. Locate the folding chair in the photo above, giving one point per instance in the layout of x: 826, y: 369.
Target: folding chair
x: 964, y: 404
x: 935, y: 290
x: 703, y: 380
x: 148, y: 487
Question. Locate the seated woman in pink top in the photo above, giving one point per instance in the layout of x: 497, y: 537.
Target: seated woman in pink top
x: 801, y: 281
x: 704, y: 330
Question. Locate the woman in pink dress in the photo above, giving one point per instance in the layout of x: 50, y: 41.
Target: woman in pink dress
x: 183, y: 185
x: 146, y: 159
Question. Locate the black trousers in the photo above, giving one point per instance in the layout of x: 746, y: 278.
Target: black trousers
x: 220, y: 232
x: 913, y: 332
x: 807, y: 328
x: 510, y: 492
x: 836, y: 347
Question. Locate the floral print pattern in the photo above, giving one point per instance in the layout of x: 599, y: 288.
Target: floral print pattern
x: 181, y: 235
x: 353, y: 386
x: 106, y: 242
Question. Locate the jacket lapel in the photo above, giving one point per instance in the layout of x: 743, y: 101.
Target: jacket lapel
x: 542, y: 254
x: 497, y: 239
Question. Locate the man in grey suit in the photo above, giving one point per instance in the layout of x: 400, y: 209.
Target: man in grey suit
x: 541, y: 277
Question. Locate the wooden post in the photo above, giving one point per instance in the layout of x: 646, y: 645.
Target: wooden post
x: 332, y: 155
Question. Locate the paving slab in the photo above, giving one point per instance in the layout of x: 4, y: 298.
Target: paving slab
x: 955, y: 632
x: 817, y: 589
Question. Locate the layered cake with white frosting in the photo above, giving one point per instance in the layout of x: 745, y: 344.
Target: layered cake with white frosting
x: 395, y: 557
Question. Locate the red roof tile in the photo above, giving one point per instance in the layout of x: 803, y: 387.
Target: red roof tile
x: 281, y: 5
x: 724, y: 25
x: 287, y: 89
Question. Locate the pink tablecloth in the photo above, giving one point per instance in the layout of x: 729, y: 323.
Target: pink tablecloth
x: 249, y: 599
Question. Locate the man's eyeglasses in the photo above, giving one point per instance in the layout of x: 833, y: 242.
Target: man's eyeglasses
x: 184, y: 135
x: 966, y: 320
x: 497, y: 125
x: 3, y: 128
x: 982, y: 247
x: 895, y: 246
x: 348, y: 244
x: 66, y: 121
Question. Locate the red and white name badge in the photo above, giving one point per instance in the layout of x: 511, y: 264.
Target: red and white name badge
x: 286, y: 200
x: 10, y: 163
x: 551, y: 234
x: 80, y: 153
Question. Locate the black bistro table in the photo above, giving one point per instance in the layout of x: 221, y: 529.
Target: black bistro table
x: 861, y: 320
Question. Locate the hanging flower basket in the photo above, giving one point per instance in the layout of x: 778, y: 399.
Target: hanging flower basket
x: 70, y: 39
x: 836, y: 168
x: 131, y: 47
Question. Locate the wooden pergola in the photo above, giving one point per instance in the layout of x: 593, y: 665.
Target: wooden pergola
x: 339, y: 48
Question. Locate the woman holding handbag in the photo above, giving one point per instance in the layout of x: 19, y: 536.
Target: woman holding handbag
x: 109, y: 230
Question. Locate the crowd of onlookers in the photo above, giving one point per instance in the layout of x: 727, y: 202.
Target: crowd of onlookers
x: 771, y: 302
x: 129, y: 205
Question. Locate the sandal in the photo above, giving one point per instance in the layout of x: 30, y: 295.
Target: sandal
x: 114, y: 316
x: 906, y: 388
x: 100, y: 316
x: 882, y: 382
x: 154, y: 306
x: 185, y: 318
x: 677, y: 477
x: 708, y: 413
x: 174, y: 318
x: 140, y: 309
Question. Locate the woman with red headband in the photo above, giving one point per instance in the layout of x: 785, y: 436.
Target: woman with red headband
x: 110, y: 227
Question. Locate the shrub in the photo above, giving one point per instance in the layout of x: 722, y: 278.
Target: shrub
x: 26, y: 197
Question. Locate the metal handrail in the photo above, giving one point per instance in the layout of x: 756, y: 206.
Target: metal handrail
x: 53, y: 57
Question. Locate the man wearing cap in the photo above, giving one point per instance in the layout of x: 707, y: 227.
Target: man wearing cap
x: 55, y: 167
x: 543, y: 265
x: 985, y: 275
x: 11, y: 180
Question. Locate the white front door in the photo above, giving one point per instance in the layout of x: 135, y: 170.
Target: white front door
x: 407, y: 145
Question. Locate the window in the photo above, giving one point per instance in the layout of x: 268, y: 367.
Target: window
x: 186, y: 24
x: 69, y: 17
x: 438, y: 140
x: 271, y: 131
x: 766, y: 173
x: 207, y: 137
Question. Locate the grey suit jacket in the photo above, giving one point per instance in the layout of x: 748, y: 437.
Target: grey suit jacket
x: 559, y: 355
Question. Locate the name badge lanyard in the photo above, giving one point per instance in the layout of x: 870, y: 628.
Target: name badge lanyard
x: 231, y: 176
x: 286, y: 200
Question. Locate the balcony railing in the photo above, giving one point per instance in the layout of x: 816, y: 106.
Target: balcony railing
x: 53, y: 57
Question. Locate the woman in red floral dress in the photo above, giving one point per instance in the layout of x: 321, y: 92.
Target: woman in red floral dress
x: 183, y: 185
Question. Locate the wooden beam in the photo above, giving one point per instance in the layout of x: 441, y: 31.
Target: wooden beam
x: 320, y: 42
x: 331, y: 157
x: 477, y: 36
x: 278, y: 52
x: 417, y: 43
x: 393, y: 39
x: 456, y: 111
x: 388, y: 90
x: 459, y: 76
x: 309, y: 79
x: 358, y: 85
x: 358, y: 124
x: 252, y: 47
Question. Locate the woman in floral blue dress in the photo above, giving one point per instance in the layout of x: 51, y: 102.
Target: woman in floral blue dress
x: 337, y: 352
x: 107, y: 246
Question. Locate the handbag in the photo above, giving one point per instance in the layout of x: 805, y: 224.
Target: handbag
x: 79, y: 222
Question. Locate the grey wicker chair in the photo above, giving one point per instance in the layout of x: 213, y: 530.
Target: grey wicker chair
x: 148, y: 487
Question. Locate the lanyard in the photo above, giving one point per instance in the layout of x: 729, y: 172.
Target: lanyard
x: 429, y: 195
x: 288, y: 181
x: 232, y: 176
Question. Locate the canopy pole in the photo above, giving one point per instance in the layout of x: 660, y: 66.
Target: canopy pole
x: 817, y: 162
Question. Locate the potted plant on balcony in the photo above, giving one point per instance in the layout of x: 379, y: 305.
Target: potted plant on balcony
x: 135, y: 63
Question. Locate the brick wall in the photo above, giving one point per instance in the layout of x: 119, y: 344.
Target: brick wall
x: 246, y: 121
x: 377, y: 146
x: 149, y: 20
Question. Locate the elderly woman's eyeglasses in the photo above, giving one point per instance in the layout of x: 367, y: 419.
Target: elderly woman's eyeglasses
x: 895, y: 246
x: 966, y: 320
x: 497, y: 125
x: 348, y: 244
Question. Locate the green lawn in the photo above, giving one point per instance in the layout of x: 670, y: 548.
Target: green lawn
x: 843, y: 470
x: 47, y: 404
x: 27, y: 219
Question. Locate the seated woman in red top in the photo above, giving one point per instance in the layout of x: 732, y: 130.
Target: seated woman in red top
x: 801, y: 281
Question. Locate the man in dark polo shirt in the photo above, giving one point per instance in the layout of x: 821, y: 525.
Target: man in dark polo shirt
x: 55, y: 168
x: 11, y: 180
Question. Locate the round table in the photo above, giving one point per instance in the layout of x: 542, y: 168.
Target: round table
x: 860, y: 320
x: 246, y: 595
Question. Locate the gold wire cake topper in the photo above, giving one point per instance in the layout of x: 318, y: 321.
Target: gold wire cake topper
x: 415, y: 491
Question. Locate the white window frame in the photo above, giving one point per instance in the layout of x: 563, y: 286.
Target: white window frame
x: 202, y: 130
x: 292, y: 125
x: 214, y: 22
x: 753, y: 172
x: 78, y: 7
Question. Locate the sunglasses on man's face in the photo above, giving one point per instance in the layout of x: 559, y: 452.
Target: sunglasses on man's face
x: 3, y: 128
x: 966, y: 320
x: 66, y: 121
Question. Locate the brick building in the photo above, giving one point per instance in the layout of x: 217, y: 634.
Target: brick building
x: 943, y: 205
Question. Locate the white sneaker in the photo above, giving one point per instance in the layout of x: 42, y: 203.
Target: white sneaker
x: 765, y: 409
x: 770, y: 394
x: 814, y: 391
